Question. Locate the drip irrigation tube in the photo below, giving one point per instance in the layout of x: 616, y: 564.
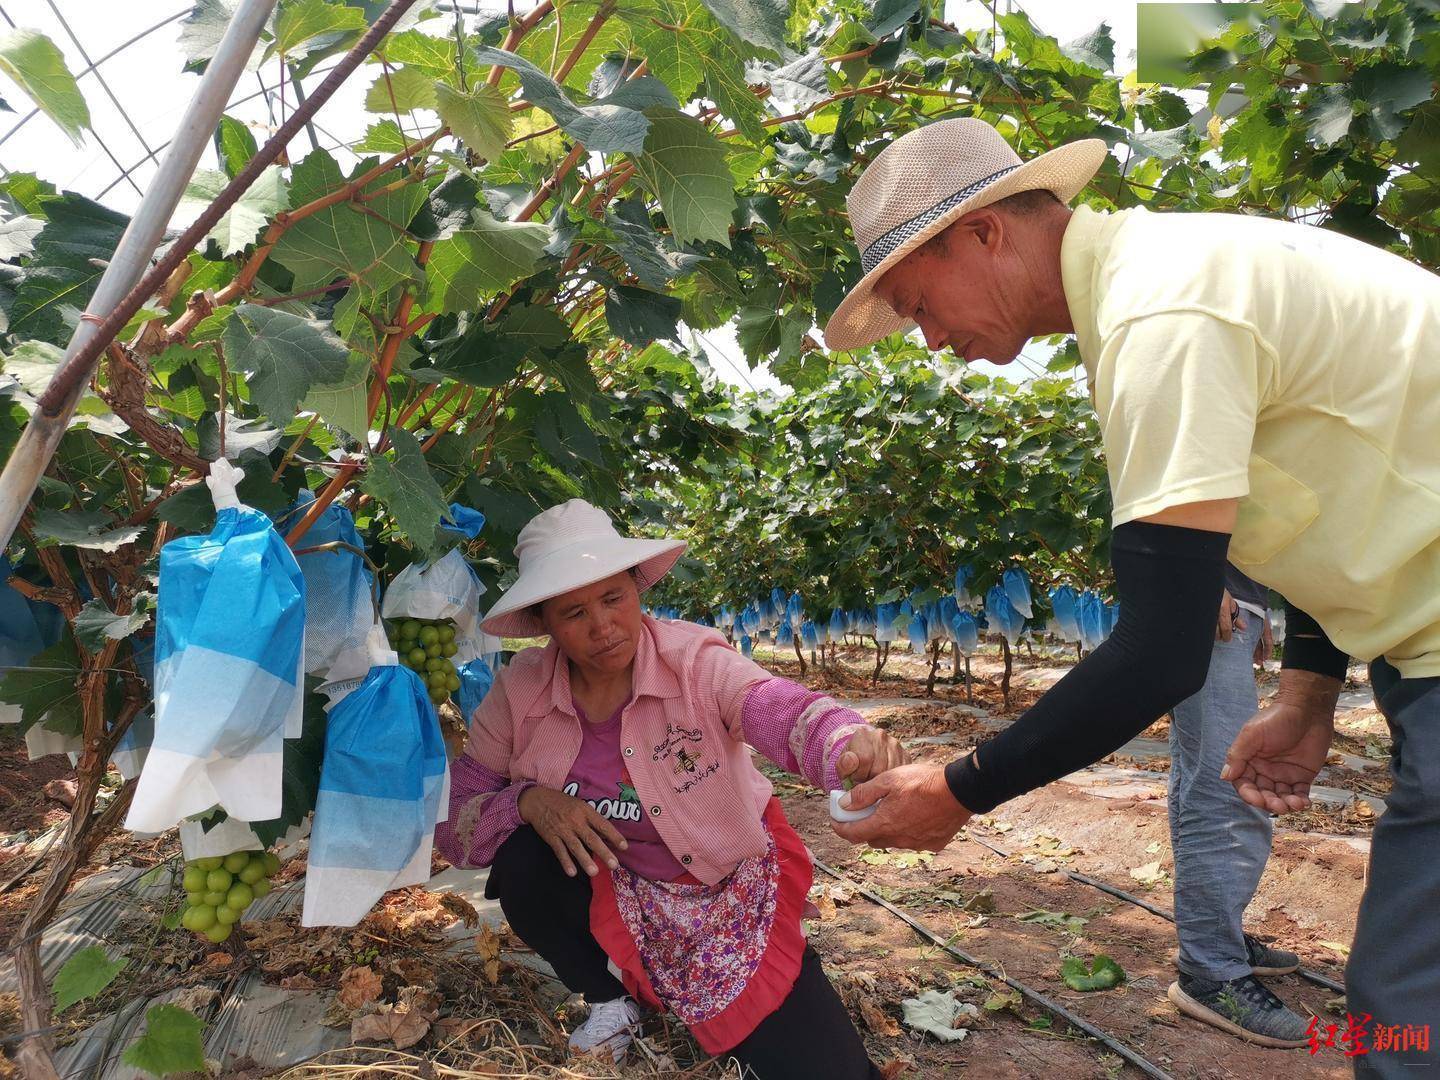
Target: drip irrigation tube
x: 1140, y: 902
x: 1048, y: 1004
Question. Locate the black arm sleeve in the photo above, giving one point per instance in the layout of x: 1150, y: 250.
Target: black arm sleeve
x: 1168, y: 581
x: 1309, y: 648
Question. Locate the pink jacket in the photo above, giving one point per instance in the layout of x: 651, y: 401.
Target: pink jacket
x: 696, y: 704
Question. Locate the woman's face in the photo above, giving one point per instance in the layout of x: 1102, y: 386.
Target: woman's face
x: 598, y: 627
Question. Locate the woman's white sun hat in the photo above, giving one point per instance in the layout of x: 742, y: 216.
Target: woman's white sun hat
x: 920, y: 184
x: 568, y: 547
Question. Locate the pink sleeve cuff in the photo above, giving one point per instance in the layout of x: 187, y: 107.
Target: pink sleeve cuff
x: 801, y: 731
x: 484, y: 811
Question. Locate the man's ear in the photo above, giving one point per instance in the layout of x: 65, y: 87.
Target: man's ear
x: 986, y: 227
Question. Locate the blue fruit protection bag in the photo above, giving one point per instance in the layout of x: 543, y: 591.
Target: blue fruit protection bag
x: 384, y: 784
x: 229, y: 668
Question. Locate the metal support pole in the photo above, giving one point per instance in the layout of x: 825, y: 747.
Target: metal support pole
x: 42, y: 435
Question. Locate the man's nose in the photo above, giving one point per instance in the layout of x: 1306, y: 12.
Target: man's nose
x: 934, y: 336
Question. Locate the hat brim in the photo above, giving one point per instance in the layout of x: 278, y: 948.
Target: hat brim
x: 574, y: 567
x: 864, y: 318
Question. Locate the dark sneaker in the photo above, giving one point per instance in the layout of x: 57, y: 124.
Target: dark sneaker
x: 1243, y: 1007
x: 1267, y: 961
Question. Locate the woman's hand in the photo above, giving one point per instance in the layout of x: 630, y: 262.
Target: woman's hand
x: 869, y: 753
x: 571, y: 827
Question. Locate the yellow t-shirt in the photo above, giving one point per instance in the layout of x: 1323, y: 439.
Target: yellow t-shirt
x: 1290, y: 367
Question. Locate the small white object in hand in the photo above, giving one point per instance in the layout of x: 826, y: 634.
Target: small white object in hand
x: 839, y: 813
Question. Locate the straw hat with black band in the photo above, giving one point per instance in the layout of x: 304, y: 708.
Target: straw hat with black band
x: 923, y: 182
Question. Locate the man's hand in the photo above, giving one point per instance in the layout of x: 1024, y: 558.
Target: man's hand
x: 918, y: 812
x: 869, y: 753
x: 571, y: 827
x: 1230, y: 618
x: 1278, y: 753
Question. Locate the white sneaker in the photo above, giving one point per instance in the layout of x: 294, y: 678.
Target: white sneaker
x: 607, y: 1029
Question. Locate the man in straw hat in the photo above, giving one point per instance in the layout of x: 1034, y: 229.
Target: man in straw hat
x: 1246, y: 411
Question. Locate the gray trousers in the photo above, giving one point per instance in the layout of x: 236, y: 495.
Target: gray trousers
x: 1220, y: 841
x: 1393, y: 978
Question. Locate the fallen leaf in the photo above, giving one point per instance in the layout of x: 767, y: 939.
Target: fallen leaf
x: 895, y: 1067
x: 938, y: 1013
x: 412, y: 972
x: 1003, y: 999
x: 358, y: 986
x: 1003, y: 826
x: 195, y: 998
x: 390, y: 1023
x: 422, y: 1000
x: 878, y: 1020
x: 901, y: 860
x: 487, y: 943
x: 1058, y: 920
x: 218, y: 960
x: 1149, y: 874
x: 1152, y: 849
x: 1336, y: 947
x: 298, y: 982
x: 824, y: 905
x: 461, y: 908
x: 983, y: 902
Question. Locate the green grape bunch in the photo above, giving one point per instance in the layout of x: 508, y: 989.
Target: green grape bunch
x: 218, y: 889
x: 427, y: 647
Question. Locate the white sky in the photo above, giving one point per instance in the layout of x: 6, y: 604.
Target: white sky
x: 144, y: 92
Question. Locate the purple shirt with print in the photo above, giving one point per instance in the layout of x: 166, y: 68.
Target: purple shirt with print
x: 600, y: 778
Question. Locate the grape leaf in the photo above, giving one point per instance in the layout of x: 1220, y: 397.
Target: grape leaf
x: 84, y: 975
x: 249, y: 214
x: 17, y: 236
x: 760, y: 22
x: 47, y: 691
x: 83, y: 528
x: 171, y: 1043
x: 234, y: 145
x: 36, y: 65
x: 96, y: 624
x: 1328, y: 116
x: 639, y: 316
x: 684, y: 165
x: 887, y: 16
x: 406, y: 489
x: 601, y: 128
x: 365, y: 243
x: 481, y: 118
x: 342, y: 404
x: 302, y: 24
x: 283, y: 356
x: 404, y: 90
x: 484, y: 257
x: 70, y: 254
x: 766, y: 334
x: 797, y: 85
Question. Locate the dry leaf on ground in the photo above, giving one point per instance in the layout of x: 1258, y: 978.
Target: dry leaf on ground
x: 461, y: 908
x: 358, y: 987
x: 390, y: 1023
x: 878, y: 1020
x: 895, y: 1067
x: 1150, y: 873
x: 298, y: 982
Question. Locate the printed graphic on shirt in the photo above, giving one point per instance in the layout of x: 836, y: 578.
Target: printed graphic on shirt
x: 676, y: 738
x: 624, y: 806
x: 681, y: 747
